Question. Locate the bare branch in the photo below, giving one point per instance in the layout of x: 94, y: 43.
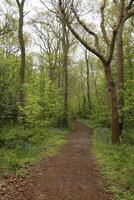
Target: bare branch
x: 115, y: 2
x: 87, y: 29
x: 104, y: 32
x: 20, y: 3
x: 130, y: 5
x: 78, y: 36
x: 5, y: 29
x: 129, y: 14
x: 115, y: 31
x: 111, y: 50
x: 50, y: 10
x: 28, y: 12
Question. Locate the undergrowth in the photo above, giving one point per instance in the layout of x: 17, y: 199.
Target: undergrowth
x: 20, y: 145
x: 116, y: 161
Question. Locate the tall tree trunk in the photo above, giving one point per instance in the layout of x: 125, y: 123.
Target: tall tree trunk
x: 23, y: 59
x: 84, y: 101
x: 95, y: 84
x: 120, y: 69
x: 88, y: 82
x: 66, y: 90
x: 113, y: 104
x: 65, y: 47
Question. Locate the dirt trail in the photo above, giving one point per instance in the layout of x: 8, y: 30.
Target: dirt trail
x: 70, y: 175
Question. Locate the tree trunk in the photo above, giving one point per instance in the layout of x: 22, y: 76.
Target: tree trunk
x: 65, y: 91
x: 23, y: 60
x: 84, y: 107
x: 84, y: 99
x: 88, y: 83
x: 95, y: 84
x: 65, y: 47
x: 120, y: 69
x: 113, y: 104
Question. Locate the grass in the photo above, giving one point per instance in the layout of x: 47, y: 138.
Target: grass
x: 20, y: 146
x: 116, y: 161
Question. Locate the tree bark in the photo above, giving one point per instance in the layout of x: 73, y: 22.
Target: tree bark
x: 65, y: 48
x: 84, y: 99
x: 113, y: 104
x: 95, y: 84
x: 88, y: 82
x: 65, y: 63
x: 23, y: 58
x: 120, y: 69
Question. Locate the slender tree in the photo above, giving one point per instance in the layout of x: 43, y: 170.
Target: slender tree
x: 94, y: 80
x: 88, y: 80
x: 20, y: 5
x: 65, y: 49
x: 128, y: 12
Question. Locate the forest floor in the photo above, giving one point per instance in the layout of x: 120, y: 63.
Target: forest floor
x: 72, y: 174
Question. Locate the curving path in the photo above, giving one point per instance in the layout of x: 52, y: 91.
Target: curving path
x: 72, y: 174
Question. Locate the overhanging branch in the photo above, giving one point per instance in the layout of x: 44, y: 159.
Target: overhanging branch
x: 80, y: 39
x: 87, y: 29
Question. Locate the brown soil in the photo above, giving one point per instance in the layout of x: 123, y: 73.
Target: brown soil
x: 72, y: 174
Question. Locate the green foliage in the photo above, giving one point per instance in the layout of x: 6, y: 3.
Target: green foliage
x: 44, y: 94
x: 53, y: 101
x: 117, y: 163
x: 8, y: 86
x: 45, y: 107
x: 20, y: 145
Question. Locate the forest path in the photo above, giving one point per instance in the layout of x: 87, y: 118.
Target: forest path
x: 72, y: 174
